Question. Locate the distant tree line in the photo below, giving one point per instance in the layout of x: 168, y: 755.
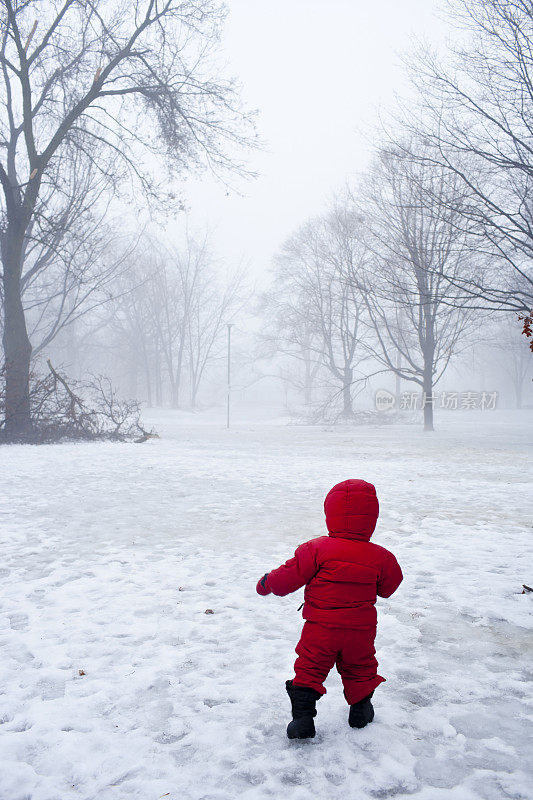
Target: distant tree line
x: 427, y: 254
x: 429, y: 249
x: 164, y: 329
x: 99, y: 102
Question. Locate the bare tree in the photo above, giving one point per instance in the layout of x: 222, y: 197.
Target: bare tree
x: 169, y: 300
x: 125, y: 328
x: 90, y: 411
x: 149, y: 319
x: 410, y: 292
x: 476, y: 116
x: 72, y: 255
x: 321, y: 261
x: 213, y: 305
x: 290, y: 331
x: 80, y: 75
x: 513, y: 357
x: 167, y: 317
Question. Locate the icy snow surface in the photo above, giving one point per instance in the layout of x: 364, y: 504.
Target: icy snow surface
x: 111, y: 554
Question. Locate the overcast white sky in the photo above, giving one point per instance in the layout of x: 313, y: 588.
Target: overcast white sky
x: 318, y: 72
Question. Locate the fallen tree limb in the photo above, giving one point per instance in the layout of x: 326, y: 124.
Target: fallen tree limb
x: 64, y: 409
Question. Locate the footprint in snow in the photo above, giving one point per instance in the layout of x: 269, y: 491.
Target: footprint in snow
x: 18, y: 622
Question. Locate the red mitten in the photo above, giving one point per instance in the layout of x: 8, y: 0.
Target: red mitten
x: 261, y: 587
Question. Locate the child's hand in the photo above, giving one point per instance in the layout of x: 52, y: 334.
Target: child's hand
x: 261, y: 587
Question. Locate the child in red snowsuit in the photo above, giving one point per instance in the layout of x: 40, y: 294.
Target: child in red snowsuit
x: 343, y: 573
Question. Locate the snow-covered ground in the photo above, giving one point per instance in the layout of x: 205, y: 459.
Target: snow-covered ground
x: 116, y: 685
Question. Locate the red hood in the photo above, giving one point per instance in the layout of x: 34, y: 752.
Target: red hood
x: 352, y: 510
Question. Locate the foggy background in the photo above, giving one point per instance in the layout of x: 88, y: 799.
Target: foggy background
x: 319, y: 81
x: 329, y: 89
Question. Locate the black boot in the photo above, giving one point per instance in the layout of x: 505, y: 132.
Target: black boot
x: 303, y: 701
x: 361, y: 713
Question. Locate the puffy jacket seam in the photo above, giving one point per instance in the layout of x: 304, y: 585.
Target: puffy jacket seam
x: 355, y: 564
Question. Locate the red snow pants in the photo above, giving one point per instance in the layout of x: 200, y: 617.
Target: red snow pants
x: 350, y: 649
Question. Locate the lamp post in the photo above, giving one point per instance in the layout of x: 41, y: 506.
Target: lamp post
x: 229, y: 324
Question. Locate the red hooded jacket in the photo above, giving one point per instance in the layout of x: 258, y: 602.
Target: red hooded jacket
x: 344, y: 572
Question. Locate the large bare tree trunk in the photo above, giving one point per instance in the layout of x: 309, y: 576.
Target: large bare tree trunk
x: 428, y: 351
x: 17, y: 347
x: 428, y: 399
